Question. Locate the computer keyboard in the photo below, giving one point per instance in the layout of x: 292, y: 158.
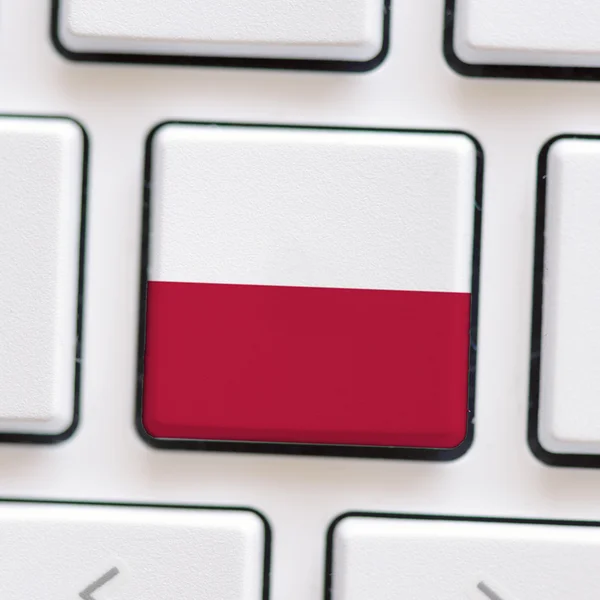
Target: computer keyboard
x: 299, y: 300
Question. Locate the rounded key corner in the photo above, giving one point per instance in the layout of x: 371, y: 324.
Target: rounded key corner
x: 535, y: 446
x: 79, y: 126
x: 475, y: 146
x: 474, y: 141
x: 57, y: 43
x: 556, y: 459
x: 452, y: 54
x: 70, y: 431
x: 143, y: 433
x: 547, y: 457
x: 148, y: 438
x: 61, y: 49
x: 155, y: 136
x: 158, y: 129
x: 376, y: 61
x: 44, y: 438
x: 260, y: 525
x: 338, y: 523
x: 553, y: 144
x: 454, y: 62
x: 263, y: 522
x: 292, y: 64
x: 462, y: 448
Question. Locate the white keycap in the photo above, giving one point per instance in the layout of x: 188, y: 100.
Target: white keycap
x: 349, y: 30
x: 268, y: 211
x: 50, y: 552
x: 569, y: 402
x: 413, y: 559
x: 528, y: 32
x: 41, y: 170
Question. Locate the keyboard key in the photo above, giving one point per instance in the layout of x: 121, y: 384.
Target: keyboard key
x: 309, y: 286
x: 350, y: 31
x: 120, y: 552
x: 419, y: 558
x: 566, y: 318
x: 42, y: 171
x: 526, y: 33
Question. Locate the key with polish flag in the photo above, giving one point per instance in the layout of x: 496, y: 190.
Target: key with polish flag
x: 308, y: 288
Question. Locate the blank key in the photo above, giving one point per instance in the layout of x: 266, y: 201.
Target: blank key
x: 41, y: 170
x: 343, y: 30
x: 554, y: 33
x: 568, y: 298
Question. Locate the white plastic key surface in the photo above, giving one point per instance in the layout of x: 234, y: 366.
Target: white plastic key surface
x: 528, y: 32
x: 49, y: 552
x: 570, y: 378
x: 303, y: 201
x: 313, y: 29
x: 41, y: 170
x: 412, y: 559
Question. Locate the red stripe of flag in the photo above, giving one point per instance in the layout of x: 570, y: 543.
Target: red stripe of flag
x: 306, y: 365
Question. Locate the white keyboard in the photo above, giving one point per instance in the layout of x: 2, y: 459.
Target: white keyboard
x: 299, y: 300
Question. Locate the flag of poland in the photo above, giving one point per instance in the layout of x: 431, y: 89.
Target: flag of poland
x: 308, y: 286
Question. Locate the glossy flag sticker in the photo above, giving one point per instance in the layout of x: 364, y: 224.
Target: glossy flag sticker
x: 309, y: 289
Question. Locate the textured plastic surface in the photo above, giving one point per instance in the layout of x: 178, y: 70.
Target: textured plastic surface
x: 118, y: 552
x: 424, y: 559
x: 528, y: 32
x: 413, y: 88
x: 41, y: 174
x: 315, y: 29
x: 570, y: 379
x: 310, y: 207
